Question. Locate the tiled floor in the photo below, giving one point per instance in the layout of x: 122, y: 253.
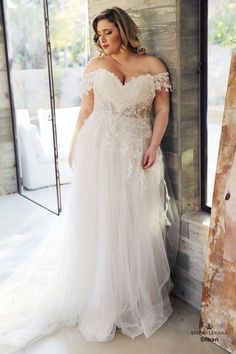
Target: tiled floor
x: 19, y: 215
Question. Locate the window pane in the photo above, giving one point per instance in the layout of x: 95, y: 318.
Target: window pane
x: 221, y: 43
x: 68, y: 20
x: 27, y: 58
x: 68, y: 32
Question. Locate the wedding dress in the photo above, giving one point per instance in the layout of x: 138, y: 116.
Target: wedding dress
x: 106, y: 262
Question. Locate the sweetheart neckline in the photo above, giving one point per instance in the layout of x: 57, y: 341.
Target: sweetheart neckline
x: 132, y: 78
x: 126, y: 83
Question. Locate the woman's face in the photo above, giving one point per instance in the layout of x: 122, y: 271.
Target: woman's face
x: 109, y: 37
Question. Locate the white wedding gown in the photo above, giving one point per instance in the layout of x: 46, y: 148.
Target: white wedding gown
x: 106, y: 262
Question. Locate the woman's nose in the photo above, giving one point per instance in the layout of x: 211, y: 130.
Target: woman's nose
x: 103, y: 39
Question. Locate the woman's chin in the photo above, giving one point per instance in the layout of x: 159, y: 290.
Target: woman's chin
x: 107, y: 51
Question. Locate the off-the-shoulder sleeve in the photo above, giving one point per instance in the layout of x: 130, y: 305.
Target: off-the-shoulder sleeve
x: 87, y: 82
x: 162, y: 80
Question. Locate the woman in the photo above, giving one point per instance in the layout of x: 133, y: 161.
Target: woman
x: 104, y: 264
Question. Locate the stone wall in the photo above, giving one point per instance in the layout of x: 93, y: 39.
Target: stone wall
x: 8, y: 182
x: 188, y: 103
x: 188, y: 274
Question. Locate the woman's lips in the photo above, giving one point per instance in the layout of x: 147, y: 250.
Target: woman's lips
x: 105, y: 46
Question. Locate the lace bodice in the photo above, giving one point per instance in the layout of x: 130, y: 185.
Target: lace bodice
x: 121, y: 118
x: 134, y: 97
x: 124, y: 108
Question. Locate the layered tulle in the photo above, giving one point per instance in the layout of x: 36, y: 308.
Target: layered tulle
x: 102, y: 264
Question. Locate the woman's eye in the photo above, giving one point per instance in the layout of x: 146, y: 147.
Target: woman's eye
x: 99, y: 35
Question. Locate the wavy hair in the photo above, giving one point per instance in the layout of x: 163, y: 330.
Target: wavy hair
x: 128, y: 29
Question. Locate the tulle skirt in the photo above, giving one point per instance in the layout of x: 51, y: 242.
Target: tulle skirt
x: 104, y: 263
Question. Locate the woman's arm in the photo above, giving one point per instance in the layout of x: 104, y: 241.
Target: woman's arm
x: 87, y: 98
x: 161, y: 106
x: 87, y: 105
x: 85, y: 110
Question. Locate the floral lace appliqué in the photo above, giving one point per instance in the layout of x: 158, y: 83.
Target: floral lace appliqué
x: 159, y: 80
x: 162, y: 80
x: 87, y: 82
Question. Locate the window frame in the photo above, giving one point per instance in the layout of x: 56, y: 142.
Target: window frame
x: 203, y: 102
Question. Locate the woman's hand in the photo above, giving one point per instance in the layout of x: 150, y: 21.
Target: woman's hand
x: 149, y: 157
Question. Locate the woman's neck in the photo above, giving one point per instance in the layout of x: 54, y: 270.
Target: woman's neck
x: 122, y: 57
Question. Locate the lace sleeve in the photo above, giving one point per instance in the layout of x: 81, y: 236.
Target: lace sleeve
x: 87, y: 82
x: 162, y: 80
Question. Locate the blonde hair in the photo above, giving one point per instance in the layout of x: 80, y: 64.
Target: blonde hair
x: 128, y: 29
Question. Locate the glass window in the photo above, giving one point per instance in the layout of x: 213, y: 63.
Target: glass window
x: 47, y: 48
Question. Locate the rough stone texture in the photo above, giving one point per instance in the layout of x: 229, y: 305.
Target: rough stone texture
x: 219, y: 292
x: 188, y: 101
x: 8, y: 182
x: 188, y: 273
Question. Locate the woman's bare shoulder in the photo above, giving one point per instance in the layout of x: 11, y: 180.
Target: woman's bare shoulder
x: 94, y: 64
x: 155, y: 64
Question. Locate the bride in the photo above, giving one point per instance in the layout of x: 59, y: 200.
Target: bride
x: 106, y: 262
